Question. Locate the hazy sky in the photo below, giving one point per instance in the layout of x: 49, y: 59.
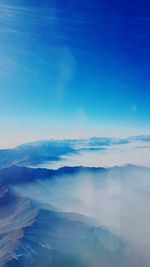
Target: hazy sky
x: 73, y: 68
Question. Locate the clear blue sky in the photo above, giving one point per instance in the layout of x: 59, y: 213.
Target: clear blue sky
x: 73, y: 68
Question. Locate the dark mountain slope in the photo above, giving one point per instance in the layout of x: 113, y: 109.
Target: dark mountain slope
x: 16, y: 174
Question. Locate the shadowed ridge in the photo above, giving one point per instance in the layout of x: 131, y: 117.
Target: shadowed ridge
x: 16, y: 174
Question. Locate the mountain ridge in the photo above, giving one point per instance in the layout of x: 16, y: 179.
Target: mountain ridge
x: 18, y: 174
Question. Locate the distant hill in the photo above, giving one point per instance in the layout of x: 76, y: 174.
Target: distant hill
x: 19, y: 175
x: 38, y: 152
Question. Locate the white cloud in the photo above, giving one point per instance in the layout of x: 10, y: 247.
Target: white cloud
x: 118, y: 200
x: 136, y: 153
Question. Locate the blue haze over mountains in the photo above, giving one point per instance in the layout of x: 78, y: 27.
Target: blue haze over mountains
x: 73, y: 216
x: 36, y: 153
x: 70, y: 70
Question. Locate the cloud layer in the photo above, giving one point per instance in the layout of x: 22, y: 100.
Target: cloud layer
x: 118, y: 200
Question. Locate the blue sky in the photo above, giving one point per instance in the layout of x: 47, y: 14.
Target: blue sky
x: 71, y: 69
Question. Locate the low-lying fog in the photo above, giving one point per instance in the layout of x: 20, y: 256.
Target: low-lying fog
x: 118, y: 200
x: 136, y: 153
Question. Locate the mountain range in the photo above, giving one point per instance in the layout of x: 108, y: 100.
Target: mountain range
x: 35, y: 153
x: 72, y: 216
